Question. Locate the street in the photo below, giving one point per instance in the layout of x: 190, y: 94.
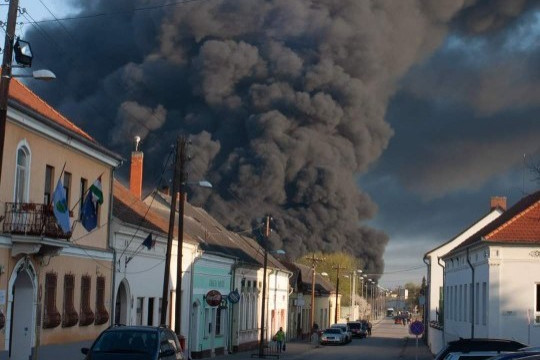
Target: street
x: 388, y: 341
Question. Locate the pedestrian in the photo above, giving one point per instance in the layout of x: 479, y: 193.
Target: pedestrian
x: 280, y: 338
x: 369, y: 328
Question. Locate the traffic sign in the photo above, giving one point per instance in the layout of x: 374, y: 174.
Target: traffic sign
x: 234, y: 296
x: 416, y: 328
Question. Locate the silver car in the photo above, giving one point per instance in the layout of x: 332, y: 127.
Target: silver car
x: 346, y: 330
x: 333, y: 336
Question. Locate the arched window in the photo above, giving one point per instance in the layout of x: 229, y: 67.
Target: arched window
x: 22, y: 174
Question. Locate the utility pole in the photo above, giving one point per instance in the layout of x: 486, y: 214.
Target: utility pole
x: 182, y: 159
x: 339, y: 267
x: 314, y: 261
x: 167, y: 273
x: 263, y: 305
x: 6, y: 73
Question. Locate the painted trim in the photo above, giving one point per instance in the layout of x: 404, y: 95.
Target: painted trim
x: 87, y: 253
x: 20, y: 118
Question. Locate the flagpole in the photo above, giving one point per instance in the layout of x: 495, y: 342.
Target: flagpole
x: 52, y: 197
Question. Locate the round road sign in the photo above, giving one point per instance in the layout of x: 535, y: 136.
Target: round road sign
x: 213, y: 298
x: 234, y: 296
x: 416, y: 328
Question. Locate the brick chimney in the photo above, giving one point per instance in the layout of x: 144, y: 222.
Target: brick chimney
x: 498, y: 202
x: 136, y: 170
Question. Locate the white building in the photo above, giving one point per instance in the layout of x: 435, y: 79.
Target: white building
x: 492, y: 279
x: 435, y: 266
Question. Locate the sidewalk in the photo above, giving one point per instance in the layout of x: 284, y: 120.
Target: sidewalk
x: 294, y: 350
x: 410, y: 352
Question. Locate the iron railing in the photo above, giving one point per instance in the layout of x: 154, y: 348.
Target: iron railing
x: 32, y: 219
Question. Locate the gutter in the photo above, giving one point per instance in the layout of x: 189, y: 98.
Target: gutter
x: 472, y: 294
x: 444, y: 293
x: 111, y: 246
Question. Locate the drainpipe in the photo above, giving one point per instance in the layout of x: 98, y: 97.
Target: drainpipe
x: 444, y: 293
x: 472, y: 294
x: 427, y: 297
x: 190, y: 345
x: 111, y: 246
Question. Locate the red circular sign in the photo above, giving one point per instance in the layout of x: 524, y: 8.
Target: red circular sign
x: 213, y: 298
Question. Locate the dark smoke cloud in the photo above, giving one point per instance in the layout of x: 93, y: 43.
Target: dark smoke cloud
x: 285, y: 99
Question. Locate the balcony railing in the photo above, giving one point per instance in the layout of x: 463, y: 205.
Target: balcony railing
x: 33, y: 220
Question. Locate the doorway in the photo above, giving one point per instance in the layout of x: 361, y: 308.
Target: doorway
x: 21, y: 311
x: 194, y: 333
x: 121, y: 311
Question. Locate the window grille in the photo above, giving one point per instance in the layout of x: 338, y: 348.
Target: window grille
x: 102, y: 315
x: 87, y: 315
x: 70, y: 317
x: 51, y: 316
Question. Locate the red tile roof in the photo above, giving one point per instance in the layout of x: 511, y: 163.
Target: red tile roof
x: 25, y: 96
x: 520, y: 224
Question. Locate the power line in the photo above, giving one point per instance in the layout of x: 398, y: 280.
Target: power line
x: 120, y: 12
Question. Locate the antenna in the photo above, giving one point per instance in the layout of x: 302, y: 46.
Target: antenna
x: 137, y: 142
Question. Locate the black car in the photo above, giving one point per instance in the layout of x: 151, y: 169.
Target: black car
x: 135, y: 343
x: 468, y: 345
x: 358, y: 329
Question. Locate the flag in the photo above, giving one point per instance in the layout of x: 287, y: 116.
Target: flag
x: 96, y: 191
x: 89, y: 213
x: 148, y: 242
x: 90, y: 205
x: 60, y: 208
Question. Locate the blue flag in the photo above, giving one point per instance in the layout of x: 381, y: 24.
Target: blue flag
x: 148, y: 242
x: 89, y: 213
x: 60, y: 208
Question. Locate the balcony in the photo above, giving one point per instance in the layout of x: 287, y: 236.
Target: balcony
x: 33, y: 229
x: 32, y: 219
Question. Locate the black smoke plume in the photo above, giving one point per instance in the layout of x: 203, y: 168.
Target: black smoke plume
x: 285, y: 99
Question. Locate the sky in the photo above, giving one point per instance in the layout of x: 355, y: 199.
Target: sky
x: 381, y: 128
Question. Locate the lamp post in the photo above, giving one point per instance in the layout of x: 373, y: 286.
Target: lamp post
x: 24, y: 58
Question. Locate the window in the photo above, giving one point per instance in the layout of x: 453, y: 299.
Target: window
x: 477, y: 304
x: 159, y: 310
x: 49, y: 176
x: 22, y: 174
x: 150, y: 314
x: 484, y: 303
x: 465, y: 302
x: 67, y: 186
x: 537, y: 305
x: 455, y: 303
x: 140, y: 302
x: 51, y: 316
x: 254, y: 312
x: 70, y: 317
x: 218, y: 321
x: 460, y: 303
x: 82, y: 192
x: 102, y: 316
x: 87, y: 315
x: 207, y: 322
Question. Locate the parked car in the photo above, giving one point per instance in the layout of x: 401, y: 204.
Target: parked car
x: 135, y: 343
x: 333, y: 336
x: 469, y: 345
x: 346, y: 331
x: 472, y: 355
x: 357, y: 329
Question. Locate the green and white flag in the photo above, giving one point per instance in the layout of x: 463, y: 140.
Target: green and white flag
x: 96, y: 191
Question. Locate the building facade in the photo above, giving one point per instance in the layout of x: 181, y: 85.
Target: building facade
x: 56, y: 284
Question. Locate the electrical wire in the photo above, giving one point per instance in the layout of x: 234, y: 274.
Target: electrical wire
x: 121, y: 12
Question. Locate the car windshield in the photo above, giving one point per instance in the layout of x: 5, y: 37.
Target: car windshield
x: 333, y: 331
x: 124, y: 341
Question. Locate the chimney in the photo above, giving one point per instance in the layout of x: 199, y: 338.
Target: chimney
x: 498, y: 202
x: 136, y: 170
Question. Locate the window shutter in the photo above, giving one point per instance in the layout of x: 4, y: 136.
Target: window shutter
x: 87, y: 315
x: 51, y: 316
x: 102, y: 315
x: 70, y: 317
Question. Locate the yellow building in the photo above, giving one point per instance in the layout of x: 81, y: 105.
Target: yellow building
x: 55, y: 287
